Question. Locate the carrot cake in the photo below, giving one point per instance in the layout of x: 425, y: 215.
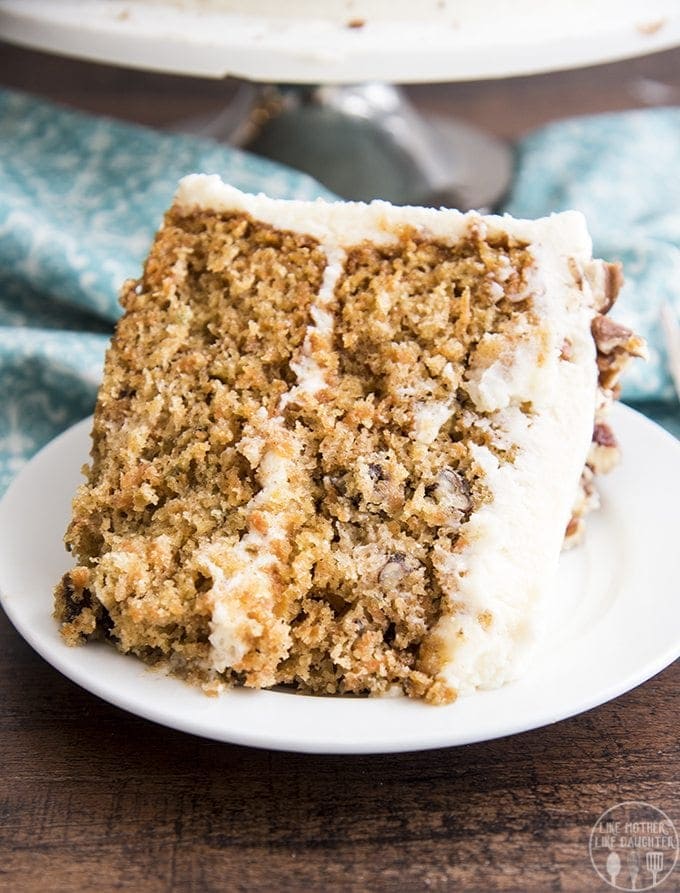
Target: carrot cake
x: 337, y: 446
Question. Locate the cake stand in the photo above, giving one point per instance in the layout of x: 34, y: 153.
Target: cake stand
x: 324, y: 69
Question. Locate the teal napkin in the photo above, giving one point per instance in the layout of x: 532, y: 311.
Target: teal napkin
x: 81, y: 197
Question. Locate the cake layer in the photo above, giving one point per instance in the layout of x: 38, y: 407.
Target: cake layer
x: 337, y: 446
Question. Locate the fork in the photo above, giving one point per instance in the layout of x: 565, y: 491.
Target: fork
x: 671, y: 334
x: 654, y: 862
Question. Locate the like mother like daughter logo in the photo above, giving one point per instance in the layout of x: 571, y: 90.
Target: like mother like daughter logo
x: 634, y: 846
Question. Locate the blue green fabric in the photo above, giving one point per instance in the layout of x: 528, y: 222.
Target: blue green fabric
x: 81, y: 197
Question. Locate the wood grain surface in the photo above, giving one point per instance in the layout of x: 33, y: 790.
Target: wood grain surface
x: 92, y: 798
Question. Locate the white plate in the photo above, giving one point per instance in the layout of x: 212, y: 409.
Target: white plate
x: 613, y: 622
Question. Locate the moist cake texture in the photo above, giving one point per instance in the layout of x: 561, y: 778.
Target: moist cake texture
x: 337, y: 446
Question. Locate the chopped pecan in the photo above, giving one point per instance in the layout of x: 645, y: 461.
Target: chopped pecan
x: 603, y: 435
x: 613, y: 280
x: 613, y: 338
x: 610, y: 367
x: 80, y: 613
x: 609, y: 335
x: 573, y: 531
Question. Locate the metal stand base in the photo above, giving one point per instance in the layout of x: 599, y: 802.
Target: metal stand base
x: 366, y: 142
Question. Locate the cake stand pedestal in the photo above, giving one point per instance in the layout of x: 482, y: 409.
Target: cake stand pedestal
x: 366, y: 141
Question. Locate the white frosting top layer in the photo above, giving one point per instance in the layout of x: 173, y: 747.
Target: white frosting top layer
x: 348, y: 223
x: 509, y: 564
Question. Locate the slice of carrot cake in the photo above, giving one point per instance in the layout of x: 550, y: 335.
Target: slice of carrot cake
x: 337, y: 446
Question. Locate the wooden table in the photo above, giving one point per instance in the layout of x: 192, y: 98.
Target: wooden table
x: 95, y: 799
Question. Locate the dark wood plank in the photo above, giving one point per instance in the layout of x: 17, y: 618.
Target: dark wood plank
x: 92, y: 792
